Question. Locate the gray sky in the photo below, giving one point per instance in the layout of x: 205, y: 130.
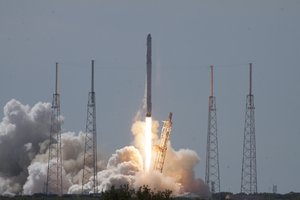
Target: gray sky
x: 188, y: 36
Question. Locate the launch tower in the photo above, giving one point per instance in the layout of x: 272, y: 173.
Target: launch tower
x: 54, y: 183
x: 90, y: 149
x: 212, y: 174
x: 249, y: 176
x: 161, y: 149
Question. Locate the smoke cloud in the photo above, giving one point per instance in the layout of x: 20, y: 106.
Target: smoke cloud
x: 22, y: 129
x: 24, y: 139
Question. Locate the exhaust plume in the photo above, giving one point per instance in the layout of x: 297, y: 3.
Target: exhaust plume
x: 24, y: 140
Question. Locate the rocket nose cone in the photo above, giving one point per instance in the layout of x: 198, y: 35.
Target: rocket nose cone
x: 149, y: 36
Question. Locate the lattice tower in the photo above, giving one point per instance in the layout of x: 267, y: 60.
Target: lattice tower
x: 54, y: 184
x: 249, y: 173
x: 212, y: 172
x: 90, y: 150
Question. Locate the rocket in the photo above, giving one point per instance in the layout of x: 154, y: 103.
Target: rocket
x: 148, y: 69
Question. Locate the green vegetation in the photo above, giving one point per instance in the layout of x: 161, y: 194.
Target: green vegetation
x: 258, y: 196
x: 121, y: 193
x: 145, y: 193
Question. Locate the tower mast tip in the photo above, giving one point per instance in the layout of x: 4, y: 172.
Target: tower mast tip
x: 92, y: 84
x: 56, y: 78
x: 250, y: 79
x: 211, y: 80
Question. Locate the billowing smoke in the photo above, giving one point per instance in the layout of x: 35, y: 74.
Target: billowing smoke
x: 22, y: 132
x: 121, y: 169
x: 24, y: 139
x: 178, y: 172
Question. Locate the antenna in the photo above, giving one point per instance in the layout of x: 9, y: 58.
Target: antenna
x: 92, y: 90
x: 250, y: 79
x: 211, y: 80
x: 56, y: 78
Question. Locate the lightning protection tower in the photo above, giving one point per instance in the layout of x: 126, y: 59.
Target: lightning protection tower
x: 90, y: 149
x: 54, y: 184
x: 249, y: 175
x: 212, y: 175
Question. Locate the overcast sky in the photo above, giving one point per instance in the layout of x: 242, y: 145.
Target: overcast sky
x: 187, y: 36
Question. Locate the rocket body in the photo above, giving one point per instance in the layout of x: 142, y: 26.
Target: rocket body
x: 148, y: 69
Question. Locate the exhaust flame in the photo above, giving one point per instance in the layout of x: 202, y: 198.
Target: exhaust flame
x: 148, y: 144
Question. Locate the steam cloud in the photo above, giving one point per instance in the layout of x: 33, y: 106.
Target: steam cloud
x: 24, y: 139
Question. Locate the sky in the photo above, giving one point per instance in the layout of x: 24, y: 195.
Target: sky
x: 187, y: 37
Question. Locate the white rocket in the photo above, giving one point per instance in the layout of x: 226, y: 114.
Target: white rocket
x: 149, y: 66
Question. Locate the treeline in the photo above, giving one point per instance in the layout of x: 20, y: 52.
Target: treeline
x: 258, y: 196
x: 145, y: 193
x: 120, y: 193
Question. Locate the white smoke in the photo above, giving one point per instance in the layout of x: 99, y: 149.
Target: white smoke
x: 22, y: 129
x: 180, y: 165
x: 121, y: 169
x: 24, y: 139
x: 36, y: 179
x: 126, y: 167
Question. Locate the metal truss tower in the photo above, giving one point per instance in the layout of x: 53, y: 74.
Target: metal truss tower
x: 161, y: 149
x: 54, y: 184
x: 249, y: 175
x: 212, y: 174
x: 90, y: 149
